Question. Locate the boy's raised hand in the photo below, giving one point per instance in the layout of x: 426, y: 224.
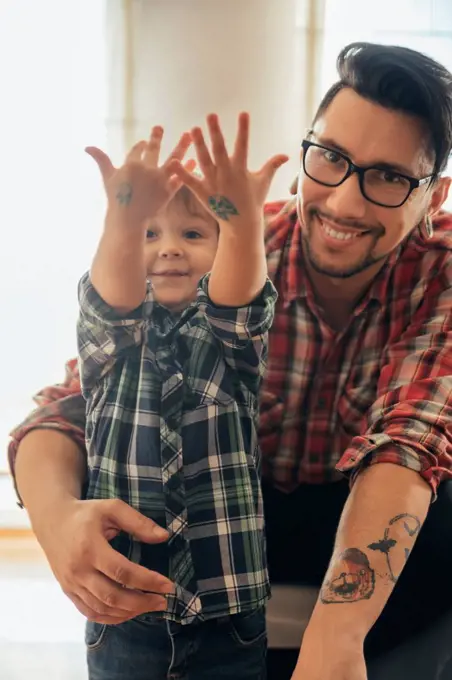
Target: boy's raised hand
x: 228, y: 188
x: 141, y: 187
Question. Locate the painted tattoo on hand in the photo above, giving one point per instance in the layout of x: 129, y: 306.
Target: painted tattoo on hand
x: 222, y: 207
x: 124, y: 194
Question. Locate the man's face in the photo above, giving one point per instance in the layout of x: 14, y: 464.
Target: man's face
x: 345, y: 234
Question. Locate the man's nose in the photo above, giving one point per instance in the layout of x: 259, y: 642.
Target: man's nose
x: 346, y: 201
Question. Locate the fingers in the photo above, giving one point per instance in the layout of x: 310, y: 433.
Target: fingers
x: 219, y: 151
x: 174, y: 184
x: 269, y: 169
x: 184, y: 175
x: 294, y: 185
x: 133, y: 522
x: 105, y: 602
x: 149, y: 152
x: 190, y: 165
x: 104, y: 596
x: 103, y: 161
x: 202, y: 152
x: 136, y: 152
x: 152, y: 148
x: 92, y: 615
x: 242, y: 140
x: 120, y: 570
x: 180, y: 149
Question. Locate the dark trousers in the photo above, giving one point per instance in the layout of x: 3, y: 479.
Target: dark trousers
x: 145, y: 648
x: 301, y: 529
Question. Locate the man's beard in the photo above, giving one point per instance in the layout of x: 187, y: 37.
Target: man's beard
x: 368, y: 261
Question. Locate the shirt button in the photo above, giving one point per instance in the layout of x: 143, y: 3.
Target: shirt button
x: 322, y: 402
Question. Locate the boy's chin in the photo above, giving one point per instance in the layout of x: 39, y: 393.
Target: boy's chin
x: 174, y: 304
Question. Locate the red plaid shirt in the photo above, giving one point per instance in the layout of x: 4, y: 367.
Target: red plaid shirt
x: 332, y: 402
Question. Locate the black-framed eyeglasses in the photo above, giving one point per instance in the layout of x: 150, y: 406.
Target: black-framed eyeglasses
x: 379, y: 185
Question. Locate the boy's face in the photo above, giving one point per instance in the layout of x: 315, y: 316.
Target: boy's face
x: 180, y: 248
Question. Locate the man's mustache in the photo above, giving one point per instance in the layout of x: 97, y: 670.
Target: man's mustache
x: 377, y: 230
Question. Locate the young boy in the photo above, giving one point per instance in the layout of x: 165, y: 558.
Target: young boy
x: 171, y: 358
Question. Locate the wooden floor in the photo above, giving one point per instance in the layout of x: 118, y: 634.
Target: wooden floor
x: 41, y: 632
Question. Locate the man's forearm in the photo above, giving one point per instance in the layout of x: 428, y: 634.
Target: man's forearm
x: 50, y: 470
x: 379, y: 526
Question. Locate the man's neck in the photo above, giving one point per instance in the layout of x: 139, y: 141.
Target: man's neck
x: 338, y: 297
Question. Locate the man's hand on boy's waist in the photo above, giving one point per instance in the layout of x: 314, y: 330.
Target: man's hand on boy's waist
x: 104, y: 586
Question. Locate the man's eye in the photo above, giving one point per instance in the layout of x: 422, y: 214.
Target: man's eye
x: 332, y: 156
x: 390, y: 177
x: 192, y: 234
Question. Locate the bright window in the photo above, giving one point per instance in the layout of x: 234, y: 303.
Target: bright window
x: 53, y: 104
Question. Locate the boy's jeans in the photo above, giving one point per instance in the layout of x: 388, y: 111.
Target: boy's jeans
x: 149, y: 648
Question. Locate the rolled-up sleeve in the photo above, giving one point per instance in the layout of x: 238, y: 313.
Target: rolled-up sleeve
x: 103, y: 335
x: 242, y: 331
x: 58, y: 407
x: 410, y: 423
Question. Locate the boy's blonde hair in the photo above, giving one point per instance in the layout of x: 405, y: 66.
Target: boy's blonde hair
x: 189, y: 201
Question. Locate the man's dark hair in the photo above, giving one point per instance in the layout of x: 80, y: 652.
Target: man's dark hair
x: 402, y: 80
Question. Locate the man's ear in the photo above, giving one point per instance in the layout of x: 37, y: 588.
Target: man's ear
x: 439, y: 195
x: 294, y: 186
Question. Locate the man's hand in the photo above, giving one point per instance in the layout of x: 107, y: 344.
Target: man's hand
x: 104, y: 586
x: 140, y: 188
x: 229, y: 189
x: 330, y: 657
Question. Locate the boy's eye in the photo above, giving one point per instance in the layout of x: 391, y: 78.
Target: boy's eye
x: 192, y: 234
x: 150, y: 234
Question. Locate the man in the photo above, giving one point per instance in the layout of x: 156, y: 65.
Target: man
x: 358, y: 392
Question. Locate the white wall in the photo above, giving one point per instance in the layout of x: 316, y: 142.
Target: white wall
x: 193, y: 57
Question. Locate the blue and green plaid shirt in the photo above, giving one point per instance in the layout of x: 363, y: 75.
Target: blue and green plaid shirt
x: 172, y: 408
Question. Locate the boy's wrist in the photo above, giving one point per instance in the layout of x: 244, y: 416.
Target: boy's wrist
x: 243, y: 234
x: 119, y: 220
x: 123, y: 234
x: 244, y: 223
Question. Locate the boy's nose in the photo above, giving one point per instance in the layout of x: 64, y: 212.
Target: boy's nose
x: 170, y: 250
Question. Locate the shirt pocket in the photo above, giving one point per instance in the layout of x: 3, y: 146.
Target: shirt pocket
x: 354, y: 405
x: 216, y: 386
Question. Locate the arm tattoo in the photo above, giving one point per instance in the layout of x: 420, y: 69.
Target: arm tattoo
x: 353, y: 580
x: 385, y: 545
x: 222, y: 207
x: 124, y: 194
